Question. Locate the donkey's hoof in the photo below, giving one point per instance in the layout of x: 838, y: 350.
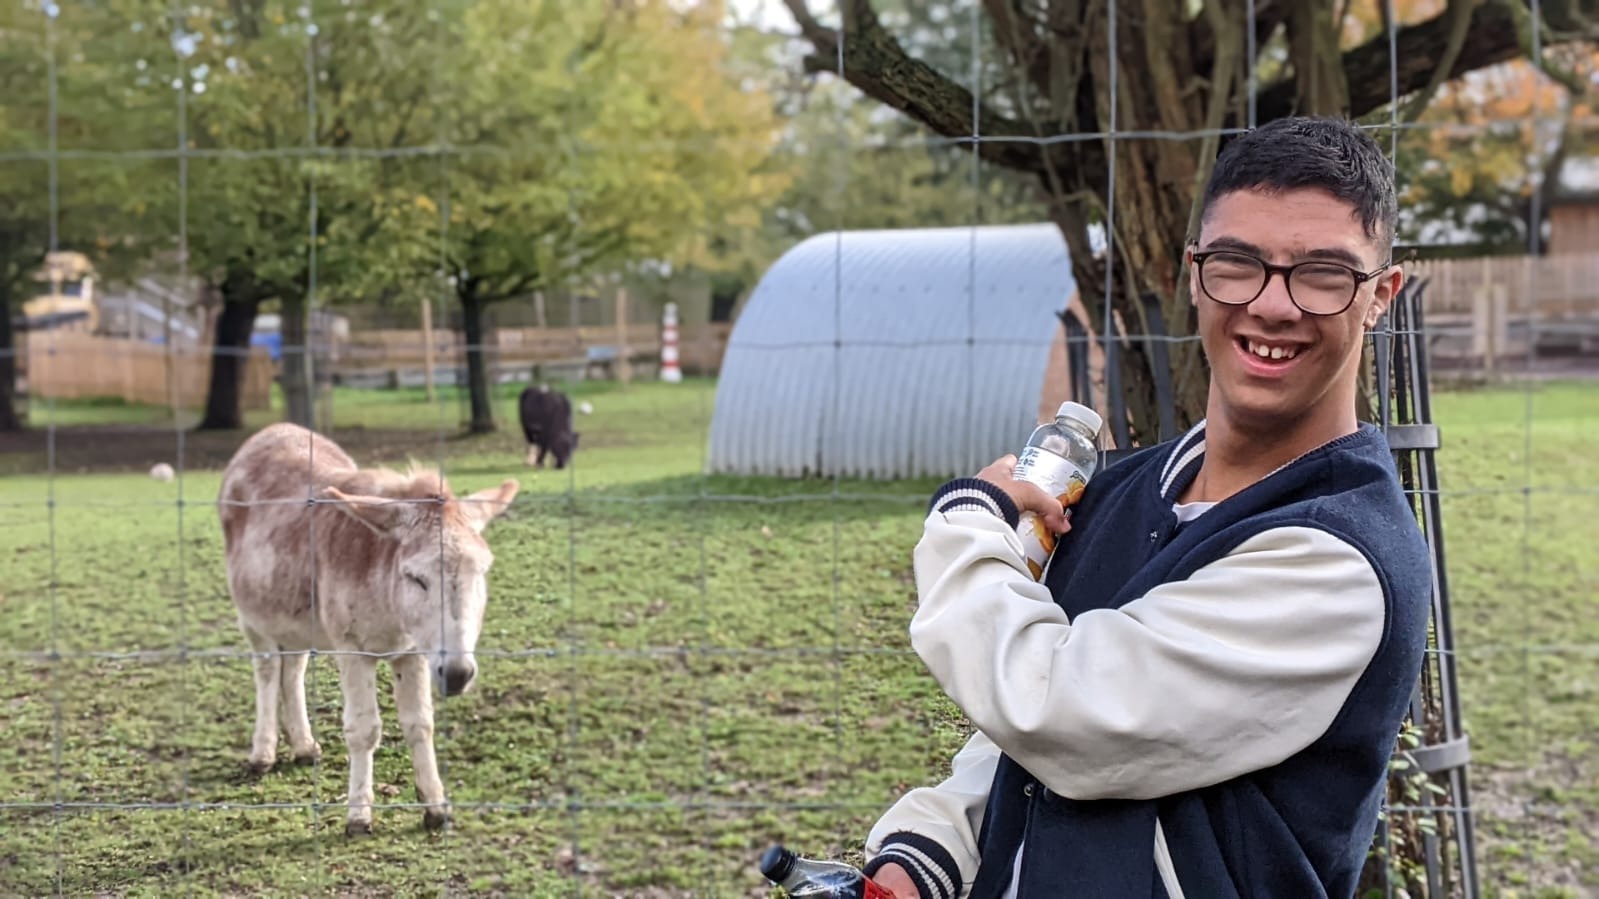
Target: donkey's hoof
x: 353, y: 828
x: 434, y: 819
x: 309, y: 756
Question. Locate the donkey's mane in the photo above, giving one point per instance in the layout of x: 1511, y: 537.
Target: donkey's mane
x: 417, y: 481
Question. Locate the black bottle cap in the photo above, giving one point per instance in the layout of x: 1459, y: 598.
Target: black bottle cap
x: 776, y: 863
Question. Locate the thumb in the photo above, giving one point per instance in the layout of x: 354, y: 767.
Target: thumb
x: 1058, y: 520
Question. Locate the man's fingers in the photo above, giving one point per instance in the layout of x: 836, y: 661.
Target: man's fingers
x: 1000, y: 470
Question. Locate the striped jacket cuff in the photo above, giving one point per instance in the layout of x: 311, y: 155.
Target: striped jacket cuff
x: 975, y: 493
x: 929, y: 865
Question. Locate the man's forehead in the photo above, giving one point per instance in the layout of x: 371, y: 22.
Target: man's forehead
x: 1301, y: 222
x: 1315, y: 202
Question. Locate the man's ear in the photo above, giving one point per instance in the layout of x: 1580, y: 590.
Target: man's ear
x: 379, y: 513
x: 1389, y: 283
x: 485, y: 505
x: 1193, y: 275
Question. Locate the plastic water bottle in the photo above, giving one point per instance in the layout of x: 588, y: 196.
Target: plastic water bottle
x: 1060, y: 457
x: 812, y: 879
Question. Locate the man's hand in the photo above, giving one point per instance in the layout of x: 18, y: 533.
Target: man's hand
x: 893, y: 878
x: 1027, y: 496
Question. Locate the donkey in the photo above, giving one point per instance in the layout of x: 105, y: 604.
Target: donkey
x: 367, y: 563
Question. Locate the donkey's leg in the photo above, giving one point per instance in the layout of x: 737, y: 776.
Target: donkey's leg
x: 413, y: 697
x: 267, y: 663
x: 363, y: 728
x: 295, y: 720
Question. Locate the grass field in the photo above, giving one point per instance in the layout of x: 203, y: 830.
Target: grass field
x: 676, y: 669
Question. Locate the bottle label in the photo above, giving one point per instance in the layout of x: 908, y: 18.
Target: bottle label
x: 1059, y: 478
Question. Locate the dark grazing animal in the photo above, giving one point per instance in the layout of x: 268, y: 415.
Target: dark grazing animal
x: 547, y: 424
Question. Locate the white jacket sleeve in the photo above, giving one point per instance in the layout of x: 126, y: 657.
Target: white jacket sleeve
x: 932, y: 831
x: 1229, y: 671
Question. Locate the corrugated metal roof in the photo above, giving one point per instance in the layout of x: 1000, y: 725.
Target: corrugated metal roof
x: 887, y: 354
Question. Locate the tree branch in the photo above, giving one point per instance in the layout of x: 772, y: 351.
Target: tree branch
x: 1491, y: 39
x: 515, y: 288
x: 1525, y: 26
x: 1228, y: 53
x: 1015, y: 33
x: 1459, y: 14
x: 876, y: 64
x: 812, y: 29
x: 1269, y: 16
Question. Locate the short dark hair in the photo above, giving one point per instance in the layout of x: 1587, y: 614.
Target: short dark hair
x: 1333, y: 154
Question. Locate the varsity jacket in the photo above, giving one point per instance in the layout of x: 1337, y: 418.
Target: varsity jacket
x: 1197, y: 706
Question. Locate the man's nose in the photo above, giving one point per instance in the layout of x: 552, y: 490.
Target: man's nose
x: 1274, y: 301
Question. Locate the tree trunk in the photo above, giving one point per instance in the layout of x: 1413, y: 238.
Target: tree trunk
x: 230, y: 354
x: 1152, y: 212
x: 9, y: 420
x: 477, y: 374
x: 297, y: 361
x: 1322, y: 86
x: 725, y: 291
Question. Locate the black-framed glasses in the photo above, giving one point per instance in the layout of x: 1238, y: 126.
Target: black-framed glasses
x: 1316, y: 287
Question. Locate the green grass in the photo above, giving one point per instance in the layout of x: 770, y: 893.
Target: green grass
x: 695, y: 674
x: 1524, y: 580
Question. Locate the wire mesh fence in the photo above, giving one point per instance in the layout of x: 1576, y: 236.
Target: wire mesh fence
x: 678, y: 666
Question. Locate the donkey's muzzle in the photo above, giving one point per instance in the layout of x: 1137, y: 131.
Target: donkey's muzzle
x: 456, y: 677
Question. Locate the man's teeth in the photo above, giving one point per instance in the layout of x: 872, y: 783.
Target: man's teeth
x: 1265, y: 351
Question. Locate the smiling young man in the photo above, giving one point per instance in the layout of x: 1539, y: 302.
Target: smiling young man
x: 1201, y: 698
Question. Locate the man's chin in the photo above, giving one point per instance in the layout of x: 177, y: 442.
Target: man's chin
x: 1253, y: 410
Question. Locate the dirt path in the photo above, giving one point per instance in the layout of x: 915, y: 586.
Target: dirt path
x: 131, y: 448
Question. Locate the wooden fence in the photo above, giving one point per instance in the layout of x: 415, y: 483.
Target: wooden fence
x: 389, y: 352
x: 65, y: 365
x: 1550, y: 287
x: 1479, y: 311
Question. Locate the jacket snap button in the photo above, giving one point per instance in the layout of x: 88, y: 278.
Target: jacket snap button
x: 1027, y: 790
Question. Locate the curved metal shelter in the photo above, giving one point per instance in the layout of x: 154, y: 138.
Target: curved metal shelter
x: 887, y: 354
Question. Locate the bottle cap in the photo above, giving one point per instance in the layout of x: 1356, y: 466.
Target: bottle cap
x: 1081, y: 414
x: 776, y: 863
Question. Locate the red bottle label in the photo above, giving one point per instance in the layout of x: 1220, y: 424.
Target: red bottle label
x: 873, y: 891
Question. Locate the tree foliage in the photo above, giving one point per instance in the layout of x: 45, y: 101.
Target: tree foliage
x: 854, y: 165
x: 62, y: 101
x: 597, y: 137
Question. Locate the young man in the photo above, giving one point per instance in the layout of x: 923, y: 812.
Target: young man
x: 1202, y: 697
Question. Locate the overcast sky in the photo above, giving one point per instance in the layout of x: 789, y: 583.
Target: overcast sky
x: 764, y: 13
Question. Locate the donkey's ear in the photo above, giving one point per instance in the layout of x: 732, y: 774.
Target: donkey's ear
x: 485, y: 505
x: 376, y: 512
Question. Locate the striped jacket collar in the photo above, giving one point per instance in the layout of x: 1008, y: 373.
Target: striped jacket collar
x: 1182, y: 463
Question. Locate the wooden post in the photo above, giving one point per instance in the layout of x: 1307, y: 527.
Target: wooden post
x: 624, y: 371
x: 1481, y: 325
x: 538, y: 310
x: 171, y: 370
x: 427, y: 346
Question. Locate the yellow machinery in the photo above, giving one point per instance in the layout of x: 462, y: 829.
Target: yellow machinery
x: 69, y: 304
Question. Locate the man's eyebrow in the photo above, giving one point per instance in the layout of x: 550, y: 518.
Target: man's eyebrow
x: 1328, y: 254
x: 1233, y: 243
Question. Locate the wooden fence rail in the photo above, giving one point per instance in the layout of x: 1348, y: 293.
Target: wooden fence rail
x: 67, y: 365
x: 700, y: 348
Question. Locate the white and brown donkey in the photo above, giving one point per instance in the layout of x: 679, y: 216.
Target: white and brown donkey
x: 369, y: 564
